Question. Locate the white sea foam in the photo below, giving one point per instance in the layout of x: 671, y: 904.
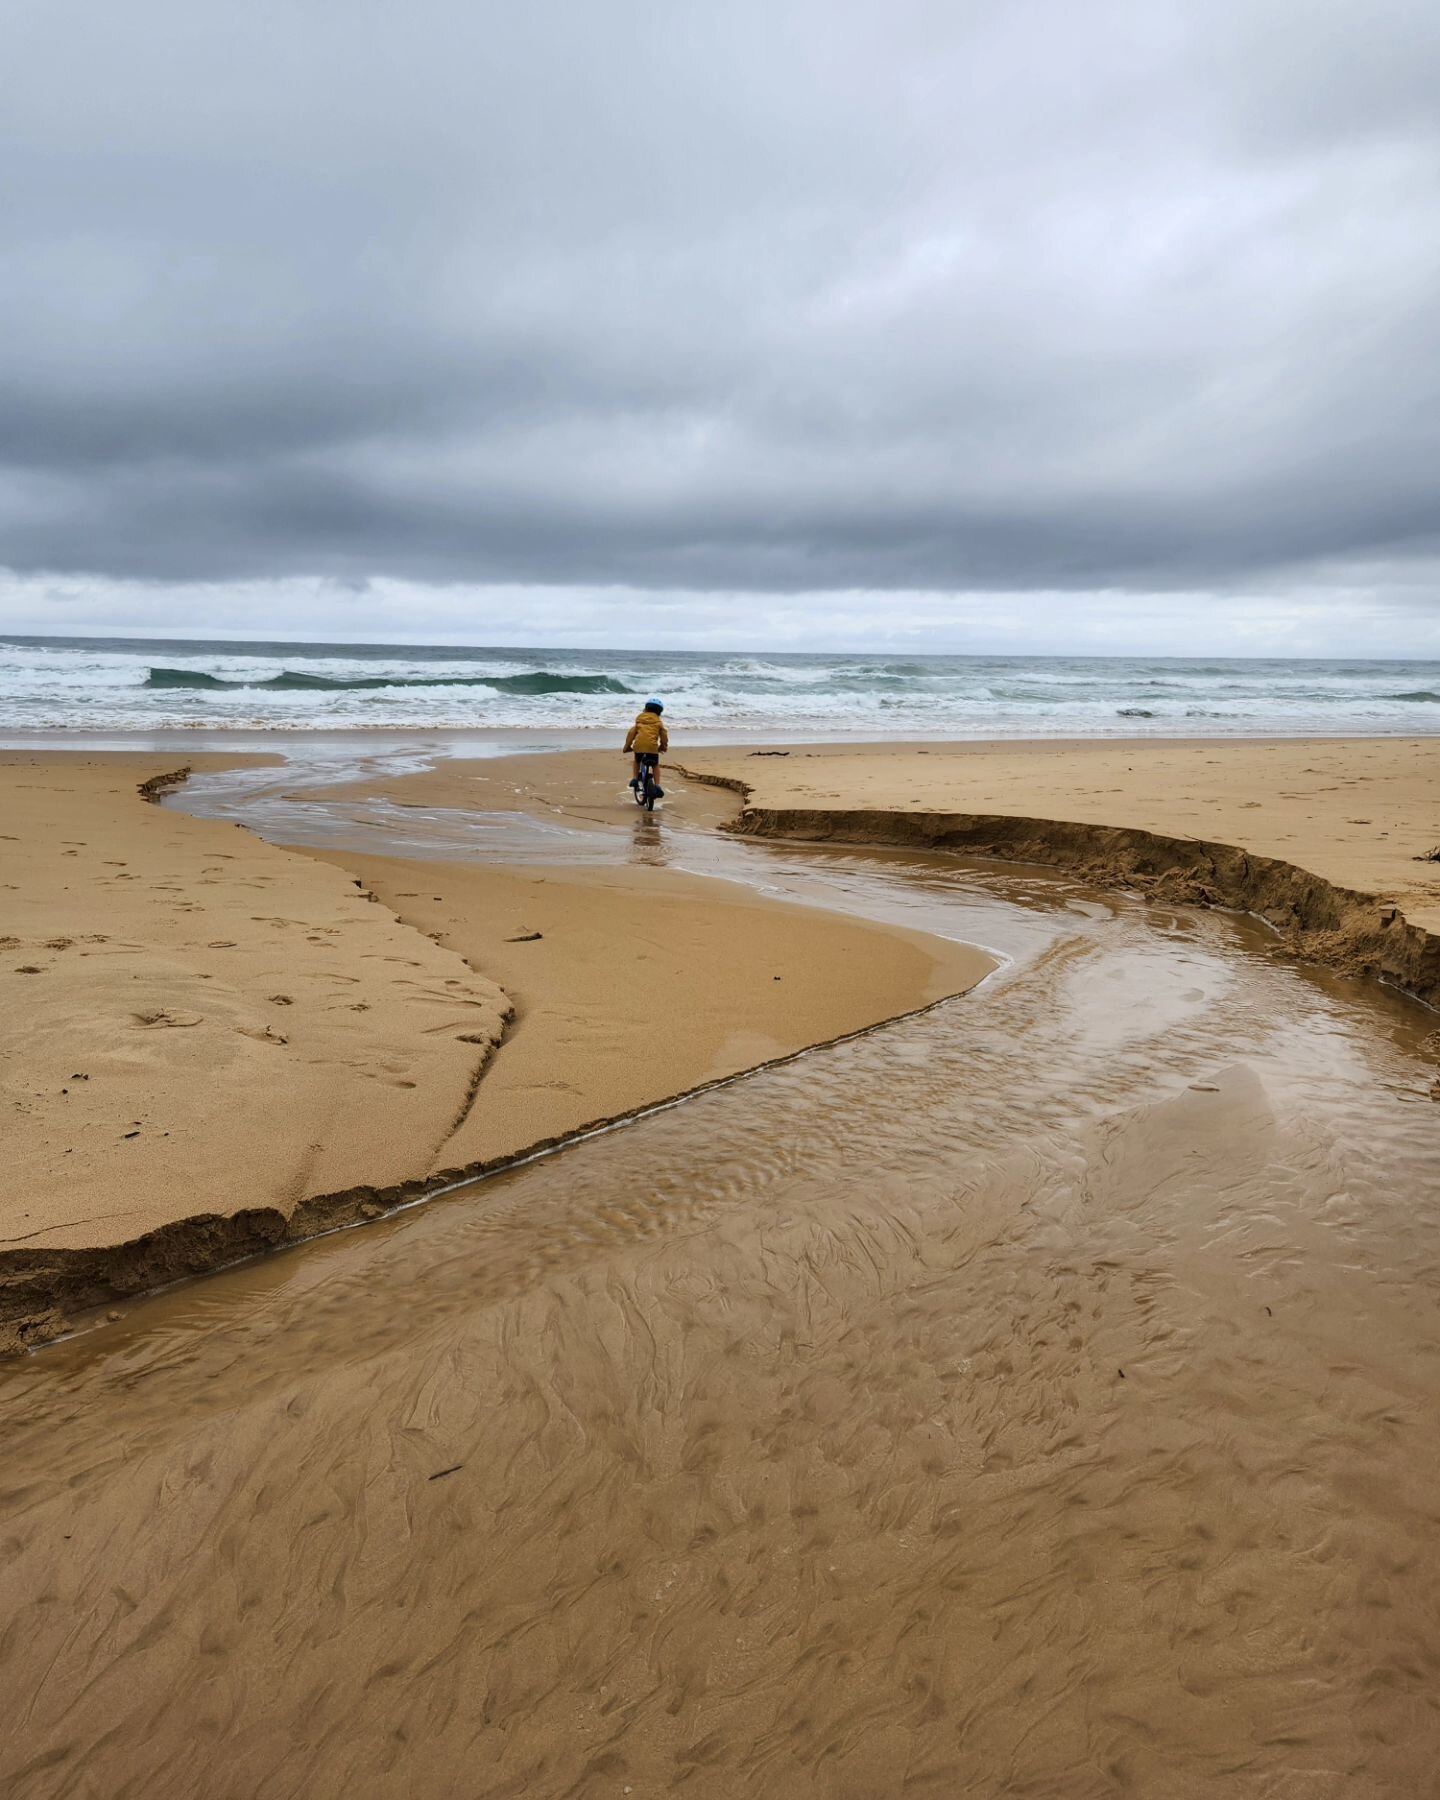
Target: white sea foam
x: 119, y: 685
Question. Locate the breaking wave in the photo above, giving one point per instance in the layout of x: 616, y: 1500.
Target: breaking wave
x: 292, y: 681
x: 253, y: 685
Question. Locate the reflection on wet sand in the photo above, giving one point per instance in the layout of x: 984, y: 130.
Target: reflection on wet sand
x: 1034, y: 1397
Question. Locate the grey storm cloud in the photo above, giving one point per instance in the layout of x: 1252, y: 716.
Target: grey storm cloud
x: 768, y: 296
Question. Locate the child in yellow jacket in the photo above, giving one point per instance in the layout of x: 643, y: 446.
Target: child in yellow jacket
x: 646, y: 738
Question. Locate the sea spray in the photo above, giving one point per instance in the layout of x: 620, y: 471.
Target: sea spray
x: 105, y: 684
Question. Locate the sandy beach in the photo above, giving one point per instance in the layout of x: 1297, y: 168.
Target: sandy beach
x: 908, y: 1270
x: 203, y: 1038
x: 358, y: 1012
x: 632, y: 986
x: 189, y: 1079
x: 1041, y: 1383
x: 1333, y: 842
x: 1361, y: 813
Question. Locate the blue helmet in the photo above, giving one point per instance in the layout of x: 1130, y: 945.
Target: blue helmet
x: 654, y: 706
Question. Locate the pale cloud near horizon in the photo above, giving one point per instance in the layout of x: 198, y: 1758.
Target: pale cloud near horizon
x: 1028, y: 327
x: 1378, y: 621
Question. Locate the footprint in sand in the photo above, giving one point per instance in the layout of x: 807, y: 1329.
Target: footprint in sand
x: 165, y: 1015
x: 263, y: 1034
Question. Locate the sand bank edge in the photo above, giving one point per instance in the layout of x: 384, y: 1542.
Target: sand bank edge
x: 37, y: 1286
x: 1315, y: 919
x: 40, y: 1289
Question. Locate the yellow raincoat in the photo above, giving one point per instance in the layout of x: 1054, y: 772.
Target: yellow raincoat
x: 647, y: 736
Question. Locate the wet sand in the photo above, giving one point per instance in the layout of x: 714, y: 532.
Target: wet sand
x: 1036, y: 1397
x: 582, y: 787
x: 1335, y: 843
x: 632, y: 985
x: 213, y: 1045
x: 1359, y: 812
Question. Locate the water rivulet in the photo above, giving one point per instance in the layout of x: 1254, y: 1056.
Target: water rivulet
x: 1037, y: 1397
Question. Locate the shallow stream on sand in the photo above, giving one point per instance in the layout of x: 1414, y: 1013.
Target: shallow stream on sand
x: 1035, y: 1396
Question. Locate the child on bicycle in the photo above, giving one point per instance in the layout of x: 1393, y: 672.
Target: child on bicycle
x: 646, y: 738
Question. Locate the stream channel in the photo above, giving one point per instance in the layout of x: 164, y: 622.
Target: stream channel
x: 1035, y: 1396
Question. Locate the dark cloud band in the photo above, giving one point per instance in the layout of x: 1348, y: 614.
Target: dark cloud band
x: 772, y: 299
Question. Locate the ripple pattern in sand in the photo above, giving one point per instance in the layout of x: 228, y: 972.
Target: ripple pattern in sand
x: 1036, y: 1397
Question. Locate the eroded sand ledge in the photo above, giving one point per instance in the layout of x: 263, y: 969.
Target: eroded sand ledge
x: 635, y: 985
x: 1319, y: 918
x: 1048, y: 1407
x: 214, y: 1046
x: 209, y: 1045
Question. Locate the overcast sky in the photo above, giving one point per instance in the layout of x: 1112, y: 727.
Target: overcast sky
x: 806, y: 322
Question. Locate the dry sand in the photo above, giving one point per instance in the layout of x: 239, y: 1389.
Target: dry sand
x: 1325, y: 839
x: 631, y: 985
x: 187, y: 1079
x: 200, y: 1027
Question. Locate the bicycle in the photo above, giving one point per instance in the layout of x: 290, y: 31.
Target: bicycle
x: 646, y: 788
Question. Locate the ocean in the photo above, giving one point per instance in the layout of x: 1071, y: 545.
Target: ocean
x: 149, y: 684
